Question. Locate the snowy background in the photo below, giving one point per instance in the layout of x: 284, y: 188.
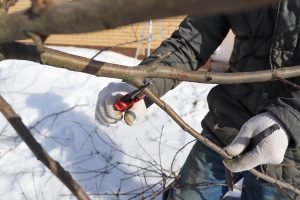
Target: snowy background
x: 58, y: 107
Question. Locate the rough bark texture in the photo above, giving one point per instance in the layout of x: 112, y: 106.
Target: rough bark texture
x: 76, y: 16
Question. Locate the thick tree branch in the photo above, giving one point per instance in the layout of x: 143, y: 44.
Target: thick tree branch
x: 63, y: 175
x: 76, y: 16
x: 76, y: 63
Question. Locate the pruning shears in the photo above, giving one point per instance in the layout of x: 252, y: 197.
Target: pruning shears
x: 127, y: 101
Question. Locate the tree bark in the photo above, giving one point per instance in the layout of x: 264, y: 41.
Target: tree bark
x: 94, y: 15
x: 76, y: 63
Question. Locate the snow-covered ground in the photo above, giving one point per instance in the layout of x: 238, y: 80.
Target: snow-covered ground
x: 58, y: 106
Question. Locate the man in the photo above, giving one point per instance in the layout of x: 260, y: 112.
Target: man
x: 265, y: 38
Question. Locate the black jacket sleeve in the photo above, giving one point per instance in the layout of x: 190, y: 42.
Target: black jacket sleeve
x: 286, y: 107
x: 191, y: 46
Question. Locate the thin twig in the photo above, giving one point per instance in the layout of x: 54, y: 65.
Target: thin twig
x: 55, y: 115
x: 287, y: 82
x: 117, y: 45
x: 173, y: 161
x: 164, y: 181
x: 149, y: 155
x: 33, y: 183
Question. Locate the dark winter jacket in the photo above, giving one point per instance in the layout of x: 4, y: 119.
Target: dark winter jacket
x: 264, y: 38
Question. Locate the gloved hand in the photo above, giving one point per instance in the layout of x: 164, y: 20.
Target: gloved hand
x: 269, y: 150
x: 106, y: 114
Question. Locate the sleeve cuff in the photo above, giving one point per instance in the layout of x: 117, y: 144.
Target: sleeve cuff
x: 289, y: 120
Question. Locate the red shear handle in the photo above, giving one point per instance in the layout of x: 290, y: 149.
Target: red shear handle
x: 122, y: 105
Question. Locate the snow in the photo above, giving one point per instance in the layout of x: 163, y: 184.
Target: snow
x: 58, y: 106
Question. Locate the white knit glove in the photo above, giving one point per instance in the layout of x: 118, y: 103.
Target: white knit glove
x: 269, y: 150
x: 106, y: 114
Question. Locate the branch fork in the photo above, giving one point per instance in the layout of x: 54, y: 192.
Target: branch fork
x: 136, y: 77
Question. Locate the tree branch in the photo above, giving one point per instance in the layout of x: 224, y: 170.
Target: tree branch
x: 76, y: 63
x: 136, y: 76
x: 63, y: 175
x: 76, y: 16
x: 205, y: 141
